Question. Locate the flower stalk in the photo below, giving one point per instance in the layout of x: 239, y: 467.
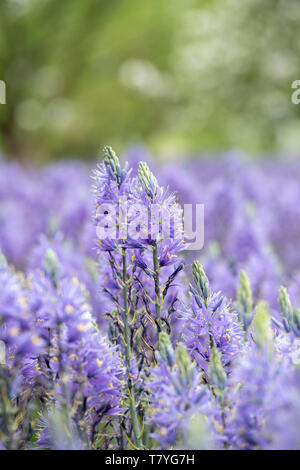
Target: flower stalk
x: 157, y: 288
x: 130, y: 385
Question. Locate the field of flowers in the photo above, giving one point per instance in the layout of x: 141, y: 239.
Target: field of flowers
x: 137, y: 342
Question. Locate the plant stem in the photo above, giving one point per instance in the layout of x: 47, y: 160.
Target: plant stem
x: 4, y: 406
x: 157, y: 287
x: 114, y: 342
x: 133, y: 412
x: 223, y: 415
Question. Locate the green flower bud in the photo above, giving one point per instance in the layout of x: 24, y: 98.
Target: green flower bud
x: 296, y: 321
x: 285, y: 308
x: 217, y: 372
x: 147, y: 180
x: 198, y: 434
x: 263, y: 335
x: 51, y: 265
x: 112, y: 164
x: 166, y: 349
x: 183, y: 361
x: 244, y: 301
x: 3, y: 260
x: 201, y: 281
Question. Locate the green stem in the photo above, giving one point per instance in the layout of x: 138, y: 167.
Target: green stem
x: 223, y: 416
x: 157, y: 287
x: 114, y: 342
x: 121, y: 435
x: 4, y: 406
x: 133, y: 412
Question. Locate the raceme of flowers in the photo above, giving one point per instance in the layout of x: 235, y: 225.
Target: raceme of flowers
x: 113, y: 335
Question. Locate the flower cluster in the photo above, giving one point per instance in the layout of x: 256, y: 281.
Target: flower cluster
x: 210, y: 323
x: 113, y: 335
x: 176, y: 394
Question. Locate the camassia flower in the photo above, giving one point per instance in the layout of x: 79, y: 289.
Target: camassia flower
x: 176, y: 394
x: 209, y: 323
x: 159, y: 250
x: 20, y: 338
x: 141, y: 264
x: 17, y: 329
x: 79, y: 372
x: 259, y: 392
x: 101, y: 346
x: 112, y: 189
x: 87, y: 394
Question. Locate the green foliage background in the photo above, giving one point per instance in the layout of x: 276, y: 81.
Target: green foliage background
x: 179, y: 76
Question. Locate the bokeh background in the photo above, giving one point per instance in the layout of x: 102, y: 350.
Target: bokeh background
x: 201, y: 91
x: 181, y: 77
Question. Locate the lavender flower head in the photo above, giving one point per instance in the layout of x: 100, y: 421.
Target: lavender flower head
x: 210, y: 322
x: 176, y: 394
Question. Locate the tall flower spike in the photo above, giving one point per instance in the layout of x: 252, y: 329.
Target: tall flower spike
x: 211, y: 322
x: 244, y: 299
x: 147, y: 180
x: 262, y: 326
x: 201, y: 281
x: 285, y: 308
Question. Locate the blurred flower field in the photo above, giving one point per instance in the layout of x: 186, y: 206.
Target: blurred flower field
x: 142, y: 344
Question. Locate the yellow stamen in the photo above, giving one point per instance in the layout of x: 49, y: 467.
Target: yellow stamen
x: 69, y: 309
x: 14, y: 331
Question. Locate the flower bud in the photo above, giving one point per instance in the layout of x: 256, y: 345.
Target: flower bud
x: 198, y: 434
x: 217, y: 372
x: 296, y: 321
x: 112, y: 163
x: 244, y: 299
x: 285, y: 308
x: 3, y: 261
x: 263, y: 335
x: 147, y: 180
x: 51, y: 265
x: 183, y: 361
x: 201, y: 281
x: 166, y: 349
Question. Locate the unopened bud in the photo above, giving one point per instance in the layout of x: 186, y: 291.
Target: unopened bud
x: 201, y: 281
x: 285, y: 308
x: 244, y: 299
x: 217, y: 372
x: 3, y: 261
x: 51, y: 265
x: 183, y: 361
x: 147, y: 180
x: 166, y: 349
x: 296, y: 322
x: 263, y: 335
x: 112, y: 164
